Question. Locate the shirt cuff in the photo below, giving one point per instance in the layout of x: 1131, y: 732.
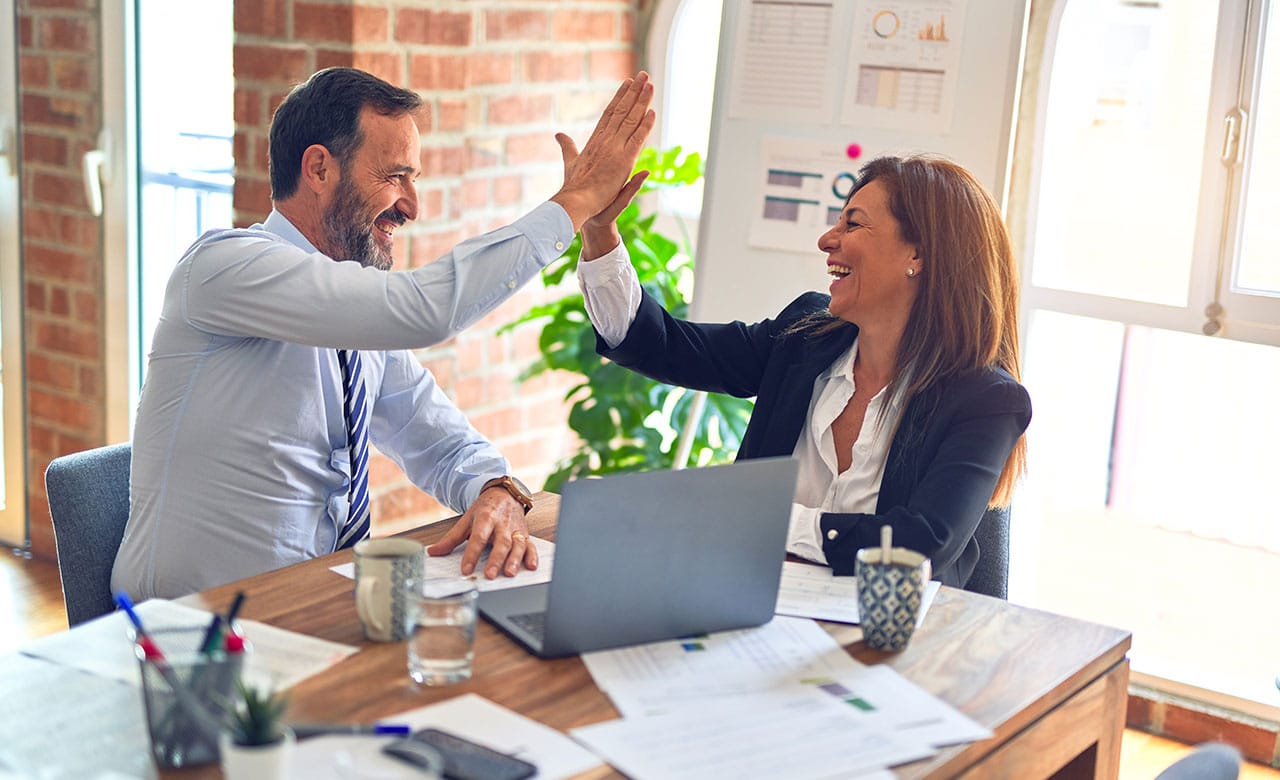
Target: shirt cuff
x: 804, y: 534
x: 550, y: 230
x: 611, y: 293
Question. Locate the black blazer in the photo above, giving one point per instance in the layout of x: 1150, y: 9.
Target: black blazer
x: 943, y: 463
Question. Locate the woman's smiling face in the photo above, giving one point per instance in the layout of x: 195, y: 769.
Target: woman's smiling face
x: 869, y: 261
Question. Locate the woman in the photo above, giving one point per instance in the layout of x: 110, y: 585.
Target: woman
x: 898, y: 392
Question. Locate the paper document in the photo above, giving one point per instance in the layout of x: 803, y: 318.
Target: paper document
x: 470, y: 716
x: 814, y: 592
x: 59, y: 722
x: 662, y: 676
x: 277, y: 658
x: 801, y: 735
x: 451, y: 565
x: 886, y: 701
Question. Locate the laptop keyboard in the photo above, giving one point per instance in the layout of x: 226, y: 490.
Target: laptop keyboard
x: 533, y: 622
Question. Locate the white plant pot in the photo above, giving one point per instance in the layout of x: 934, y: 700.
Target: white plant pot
x: 256, y: 762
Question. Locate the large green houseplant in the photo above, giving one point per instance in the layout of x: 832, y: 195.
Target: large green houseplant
x: 624, y: 421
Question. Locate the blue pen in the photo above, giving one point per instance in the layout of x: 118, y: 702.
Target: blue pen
x: 148, y: 645
x: 305, y: 730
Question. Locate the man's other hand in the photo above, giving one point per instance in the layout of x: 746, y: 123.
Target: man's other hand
x: 495, y: 518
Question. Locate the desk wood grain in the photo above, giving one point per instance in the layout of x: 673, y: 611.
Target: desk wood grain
x: 1051, y: 688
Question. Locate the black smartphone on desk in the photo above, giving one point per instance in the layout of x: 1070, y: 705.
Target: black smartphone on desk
x: 463, y: 759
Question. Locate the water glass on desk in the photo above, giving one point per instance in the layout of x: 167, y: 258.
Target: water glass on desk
x: 441, y: 624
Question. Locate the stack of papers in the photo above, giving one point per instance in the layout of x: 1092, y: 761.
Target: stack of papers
x: 815, y: 592
x: 783, y: 699
x: 451, y: 566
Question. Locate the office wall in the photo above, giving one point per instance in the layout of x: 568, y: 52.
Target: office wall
x: 60, y: 102
x: 499, y: 78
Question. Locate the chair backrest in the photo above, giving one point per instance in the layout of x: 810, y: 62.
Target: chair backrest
x: 1210, y: 761
x: 991, y: 575
x: 89, y: 502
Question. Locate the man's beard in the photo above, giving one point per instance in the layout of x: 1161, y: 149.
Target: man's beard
x: 350, y: 238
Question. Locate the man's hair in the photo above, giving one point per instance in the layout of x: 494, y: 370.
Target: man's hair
x: 325, y: 110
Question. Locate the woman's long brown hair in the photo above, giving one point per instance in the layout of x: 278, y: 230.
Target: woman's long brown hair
x: 965, y: 316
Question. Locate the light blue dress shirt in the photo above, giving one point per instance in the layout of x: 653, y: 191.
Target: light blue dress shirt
x: 240, y: 452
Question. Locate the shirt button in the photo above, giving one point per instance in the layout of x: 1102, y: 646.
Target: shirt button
x: 559, y: 246
x: 511, y: 284
x: 832, y: 534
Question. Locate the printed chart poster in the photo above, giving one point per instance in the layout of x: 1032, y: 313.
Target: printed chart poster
x: 803, y: 187
x: 783, y: 60
x: 903, y: 64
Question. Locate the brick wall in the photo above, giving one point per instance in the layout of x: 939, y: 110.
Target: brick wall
x: 498, y: 80
x: 60, y: 103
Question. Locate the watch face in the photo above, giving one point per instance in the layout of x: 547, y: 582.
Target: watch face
x: 523, y: 487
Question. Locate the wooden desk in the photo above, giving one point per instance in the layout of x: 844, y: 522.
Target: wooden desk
x: 1053, y: 689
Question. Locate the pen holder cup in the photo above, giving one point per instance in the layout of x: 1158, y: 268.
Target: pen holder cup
x: 185, y: 695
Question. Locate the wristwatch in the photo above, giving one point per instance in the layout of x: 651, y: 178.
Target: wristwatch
x: 513, y: 486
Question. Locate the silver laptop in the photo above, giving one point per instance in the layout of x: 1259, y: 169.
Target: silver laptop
x: 658, y: 555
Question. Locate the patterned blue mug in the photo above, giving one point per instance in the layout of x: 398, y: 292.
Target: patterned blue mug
x: 890, y: 595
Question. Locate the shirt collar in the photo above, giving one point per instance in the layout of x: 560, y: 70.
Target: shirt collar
x: 280, y: 225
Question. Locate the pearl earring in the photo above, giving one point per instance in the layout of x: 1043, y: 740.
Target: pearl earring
x: 911, y: 272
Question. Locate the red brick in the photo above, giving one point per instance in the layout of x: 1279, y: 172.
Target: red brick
x: 41, y: 439
x: 516, y: 25
x: 51, y: 263
x: 68, y: 339
x: 72, y: 73
x: 56, y: 189
x: 90, y: 382
x: 550, y: 413
x: 383, y: 470
x: 532, y: 148
x: 344, y: 23
x: 65, y: 33
x: 1193, y: 727
x: 490, y: 68
x: 67, y: 412
x: 59, y: 301
x: 611, y: 64
x: 520, y: 109
x: 252, y: 196
x: 40, y: 110
x: 333, y: 58
x: 271, y: 63
x: 576, y: 26
x: 541, y: 66
x: 52, y: 372
x: 402, y: 502
x: 385, y: 65
x: 86, y: 307
x: 431, y: 204
x: 247, y: 106
x: 475, y: 193
x: 33, y: 70
x: 26, y: 39
x: 507, y: 190
x: 452, y: 116
x: 498, y: 423
x: 430, y: 245
x: 42, y: 148
x: 444, y: 371
x: 436, y: 28
x: 260, y: 17
x: 428, y: 72
x: 36, y: 297
x: 443, y: 161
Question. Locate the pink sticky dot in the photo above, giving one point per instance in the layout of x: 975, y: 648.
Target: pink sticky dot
x: 854, y: 151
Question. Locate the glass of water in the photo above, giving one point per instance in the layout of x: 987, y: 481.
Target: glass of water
x: 441, y: 624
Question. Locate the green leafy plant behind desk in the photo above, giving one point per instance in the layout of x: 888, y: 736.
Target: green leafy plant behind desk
x: 627, y: 422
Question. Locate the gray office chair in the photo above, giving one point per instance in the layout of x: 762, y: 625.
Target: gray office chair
x: 1210, y: 761
x: 991, y: 576
x: 89, y: 502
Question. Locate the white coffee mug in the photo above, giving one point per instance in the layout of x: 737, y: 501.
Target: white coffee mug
x: 383, y: 566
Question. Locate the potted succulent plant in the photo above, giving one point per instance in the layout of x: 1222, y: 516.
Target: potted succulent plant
x: 256, y: 744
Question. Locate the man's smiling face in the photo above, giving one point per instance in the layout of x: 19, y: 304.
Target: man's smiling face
x: 376, y: 192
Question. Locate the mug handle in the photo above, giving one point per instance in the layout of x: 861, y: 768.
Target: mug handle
x: 365, y: 601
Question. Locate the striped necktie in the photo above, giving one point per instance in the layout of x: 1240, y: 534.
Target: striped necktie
x: 356, y: 407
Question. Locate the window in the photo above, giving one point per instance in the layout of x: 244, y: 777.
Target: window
x: 13, y: 484
x: 1155, y: 172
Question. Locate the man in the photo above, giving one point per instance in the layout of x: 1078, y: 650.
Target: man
x: 273, y: 367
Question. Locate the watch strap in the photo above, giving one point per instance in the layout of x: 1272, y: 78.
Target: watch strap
x: 509, y: 484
